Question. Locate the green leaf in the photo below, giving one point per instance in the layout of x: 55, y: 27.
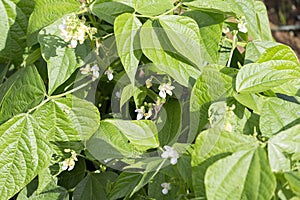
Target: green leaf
x: 127, y: 92
x: 152, y: 7
x: 216, y: 6
x: 288, y: 142
x: 214, y: 141
x: 243, y: 175
x: 293, y: 179
x: 24, y: 153
x: 184, y: 36
x: 141, y: 133
x: 62, y: 61
x: 256, y: 48
x: 277, y: 114
x: 14, y: 19
x: 255, y: 77
x: 211, y: 86
x: 51, y: 191
x: 126, y: 30
x: 278, y: 161
x: 114, y: 144
x: 161, y: 57
x: 108, y: 11
x: 68, y: 119
x: 210, y: 27
x: 47, y: 11
x: 263, y: 21
x: 252, y: 101
x: 212, y: 145
x: 170, y: 120
x: 125, y: 183
x: 7, y: 18
x: 94, y: 185
x: 22, y: 91
x: 280, y: 53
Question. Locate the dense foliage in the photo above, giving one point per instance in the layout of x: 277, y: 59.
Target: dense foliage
x: 146, y: 99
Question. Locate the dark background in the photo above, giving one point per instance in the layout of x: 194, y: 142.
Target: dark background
x: 284, y: 18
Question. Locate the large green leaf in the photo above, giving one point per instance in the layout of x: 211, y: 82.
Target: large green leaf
x: 125, y: 183
x: 163, y: 59
x: 141, y: 133
x: 113, y: 143
x: 211, y: 86
x: 152, y: 7
x: 108, y: 11
x: 170, y: 122
x: 68, y: 119
x: 14, y: 19
x: 288, y: 143
x: 126, y: 30
x: 215, y: 141
x: 279, y: 52
x: 263, y: 21
x: 210, y: 25
x: 47, y: 11
x: 243, y: 175
x: 62, y: 61
x: 277, y: 114
x: 256, y: 48
x: 258, y: 77
x: 94, y: 185
x: 51, y: 191
x: 22, y: 91
x: 216, y: 6
x: 183, y: 37
x: 24, y: 153
x: 7, y: 17
x: 293, y: 179
x: 210, y: 146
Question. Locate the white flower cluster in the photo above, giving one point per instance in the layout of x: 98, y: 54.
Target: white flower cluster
x: 69, y: 163
x: 164, y: 89
x: 141, y: 113
x: 74, y: 30
x: 170, y: 153
x: 166, y: 188
x: 95, y: 71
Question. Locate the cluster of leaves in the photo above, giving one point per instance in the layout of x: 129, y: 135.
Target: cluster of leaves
x: 232, y: 119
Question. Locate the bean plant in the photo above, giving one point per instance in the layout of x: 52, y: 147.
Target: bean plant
x: 146, y: 99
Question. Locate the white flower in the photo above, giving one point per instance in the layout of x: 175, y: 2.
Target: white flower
x: 165, y: 88
x: 69, y: 163
x: 170, y: 153
x: 166, y: 188
x: 109, y: 74
x: 140, y: 113
x: 74, y: 30
x: 95, y: 72
x: 148, y: 83
x: 242, y: 25
x: 242, y: 28
x: 73, y: 43
x: 85, y: 70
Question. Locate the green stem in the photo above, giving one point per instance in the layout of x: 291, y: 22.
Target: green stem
x: 71, y: 91
x: 49, y: 98
x: 241, y: 44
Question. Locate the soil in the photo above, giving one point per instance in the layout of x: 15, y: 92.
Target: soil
x: 284, y: 16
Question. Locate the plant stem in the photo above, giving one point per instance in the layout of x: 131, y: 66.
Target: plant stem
x: 49, y: 98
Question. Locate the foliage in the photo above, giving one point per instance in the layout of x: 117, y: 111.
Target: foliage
x: 135, y: 99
